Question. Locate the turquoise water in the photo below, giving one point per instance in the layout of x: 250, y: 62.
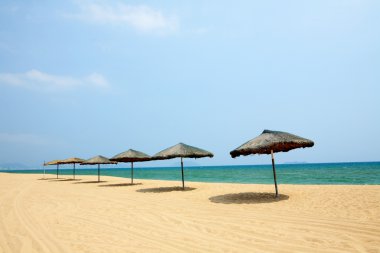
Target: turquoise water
x: 321, y: 173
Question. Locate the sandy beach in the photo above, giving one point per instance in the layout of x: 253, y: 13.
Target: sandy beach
x: 154, y: 216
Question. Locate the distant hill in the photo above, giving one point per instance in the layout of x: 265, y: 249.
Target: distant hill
x: 295, y: 162
x: 14, y: 166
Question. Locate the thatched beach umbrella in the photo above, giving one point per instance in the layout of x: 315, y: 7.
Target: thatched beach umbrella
x: 72, y: 160
x: 131, y: 156
x: 54, y: 162
x: 98, y: 160
x: 183, y: 151
x: 270, y: 142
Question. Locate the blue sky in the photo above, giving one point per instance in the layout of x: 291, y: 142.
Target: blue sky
x: 82, y: 78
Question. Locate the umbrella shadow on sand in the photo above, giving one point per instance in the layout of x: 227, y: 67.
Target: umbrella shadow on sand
x: 64, y: 180
x: 90, y: 182
x: 165, y: 189
x: 119, y: 185
x: 248, y: 198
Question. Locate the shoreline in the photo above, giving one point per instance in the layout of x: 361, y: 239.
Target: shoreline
x: 320, y: 176
x: 186, y: 181
x: 63, y: 215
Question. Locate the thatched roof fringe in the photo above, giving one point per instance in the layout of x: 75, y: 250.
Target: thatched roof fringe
x: 71, y: 160
x: 182, y: 150
x: 98, y: 160
x: 131, y: 155
x: 54, y: 162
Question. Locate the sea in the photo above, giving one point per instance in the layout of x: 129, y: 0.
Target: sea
x: 357, y: 173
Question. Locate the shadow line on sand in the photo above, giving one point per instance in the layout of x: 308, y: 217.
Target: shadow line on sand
x: 119, y: 185
x: 90, y: 182
x: 248, y: 198
x: 64, y: 180
x: 165, y: 189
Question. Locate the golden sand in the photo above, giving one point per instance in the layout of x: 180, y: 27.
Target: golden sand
x: 82, y: 216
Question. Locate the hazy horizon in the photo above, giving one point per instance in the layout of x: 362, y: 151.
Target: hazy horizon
x: 188, y: 163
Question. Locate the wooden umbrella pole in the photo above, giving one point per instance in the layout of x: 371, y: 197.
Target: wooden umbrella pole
x: 57, y: 170
x: 98, y: 172
x: 183, y: 180
x: 274, y: 173
x: 74, y: 171
x: 131, y: 172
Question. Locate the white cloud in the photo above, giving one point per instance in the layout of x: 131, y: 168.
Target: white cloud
x: 38, y: 80
x: 140, y: 17
x: 97, y: 80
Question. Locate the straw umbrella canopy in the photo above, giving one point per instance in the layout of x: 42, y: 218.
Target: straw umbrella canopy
x: 72, y: 160
x: 131, y: 156
x: 54, y: 162
x: 183, y: 151
x: 270, y: 142
x: 98, y: 160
